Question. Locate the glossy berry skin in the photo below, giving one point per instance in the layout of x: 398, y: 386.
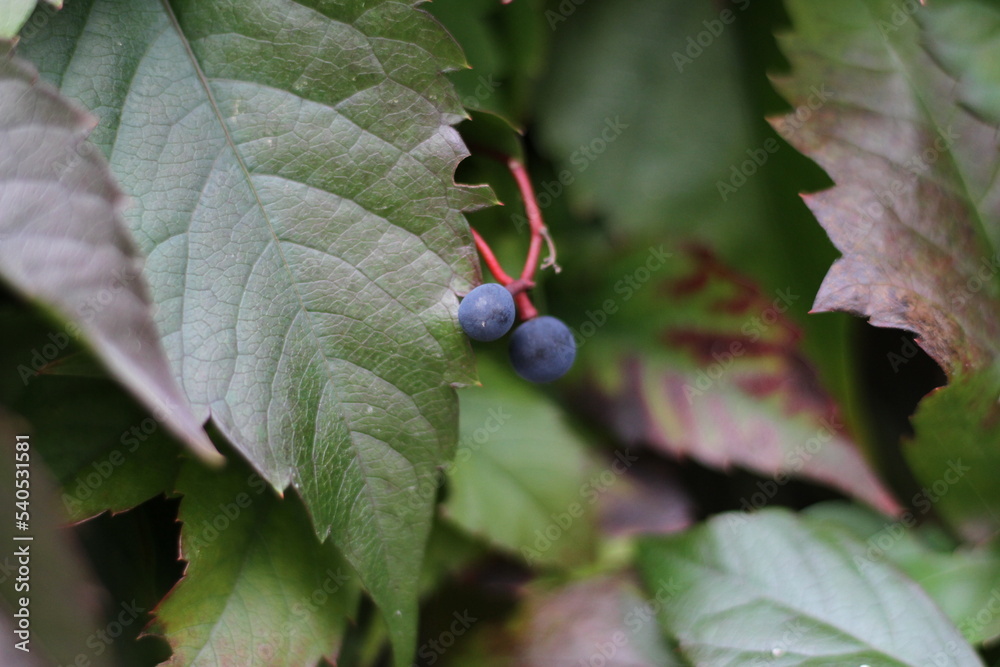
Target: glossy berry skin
x: 487, y: 312
x: 542, y: 349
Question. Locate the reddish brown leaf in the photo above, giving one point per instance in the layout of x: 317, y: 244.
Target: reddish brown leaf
x: 604, y: 621
x: 916, y: 202
x: 705, y: 365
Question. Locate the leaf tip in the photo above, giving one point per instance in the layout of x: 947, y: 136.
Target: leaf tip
x: 205, y: 450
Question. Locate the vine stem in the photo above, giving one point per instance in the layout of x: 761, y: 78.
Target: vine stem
x: 539, y: 234
x: 490, y: 260
x: 518, y: 288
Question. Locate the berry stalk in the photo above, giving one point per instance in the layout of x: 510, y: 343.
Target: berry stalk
x: 539, y: 234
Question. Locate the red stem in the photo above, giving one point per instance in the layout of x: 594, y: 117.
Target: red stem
x: 525, y: 309
x: 491, y: 260
x: 539, y: 234
x: 538, y: 230
x: 518, y: 288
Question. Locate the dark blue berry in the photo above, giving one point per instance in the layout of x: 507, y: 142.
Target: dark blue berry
x: 487, y: 312
x: 542, y: 349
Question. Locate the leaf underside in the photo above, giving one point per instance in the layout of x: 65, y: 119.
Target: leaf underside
x: 916, y: 205
x: 777, y: 589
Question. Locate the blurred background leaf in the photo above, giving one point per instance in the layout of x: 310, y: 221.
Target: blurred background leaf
x: 772, y: 586
x: 522, y: 479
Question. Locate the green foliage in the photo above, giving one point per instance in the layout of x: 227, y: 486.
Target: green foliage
x: 521, y: 477
x: 258, y: 588
x: 749, y: 588
x: 960, y: 580
x: 913, y: 210
x: 241, y: 228
x: 955, y: 451
x: 66, y: 249
x: 303, y: 239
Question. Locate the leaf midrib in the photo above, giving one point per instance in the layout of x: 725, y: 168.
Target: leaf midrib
x: 233, y: 147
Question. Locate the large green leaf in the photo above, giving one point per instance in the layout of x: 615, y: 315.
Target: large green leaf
x: 258, y: 589
x: 64, y: 248
x: 770, y: 588
x: 522, y: 478
x: 291, y: 169
x: 963, y: 582
x: 916, y: 207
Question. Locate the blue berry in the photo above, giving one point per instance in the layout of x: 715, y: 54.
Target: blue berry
x: 542, y: 349
x: 487, y: 312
